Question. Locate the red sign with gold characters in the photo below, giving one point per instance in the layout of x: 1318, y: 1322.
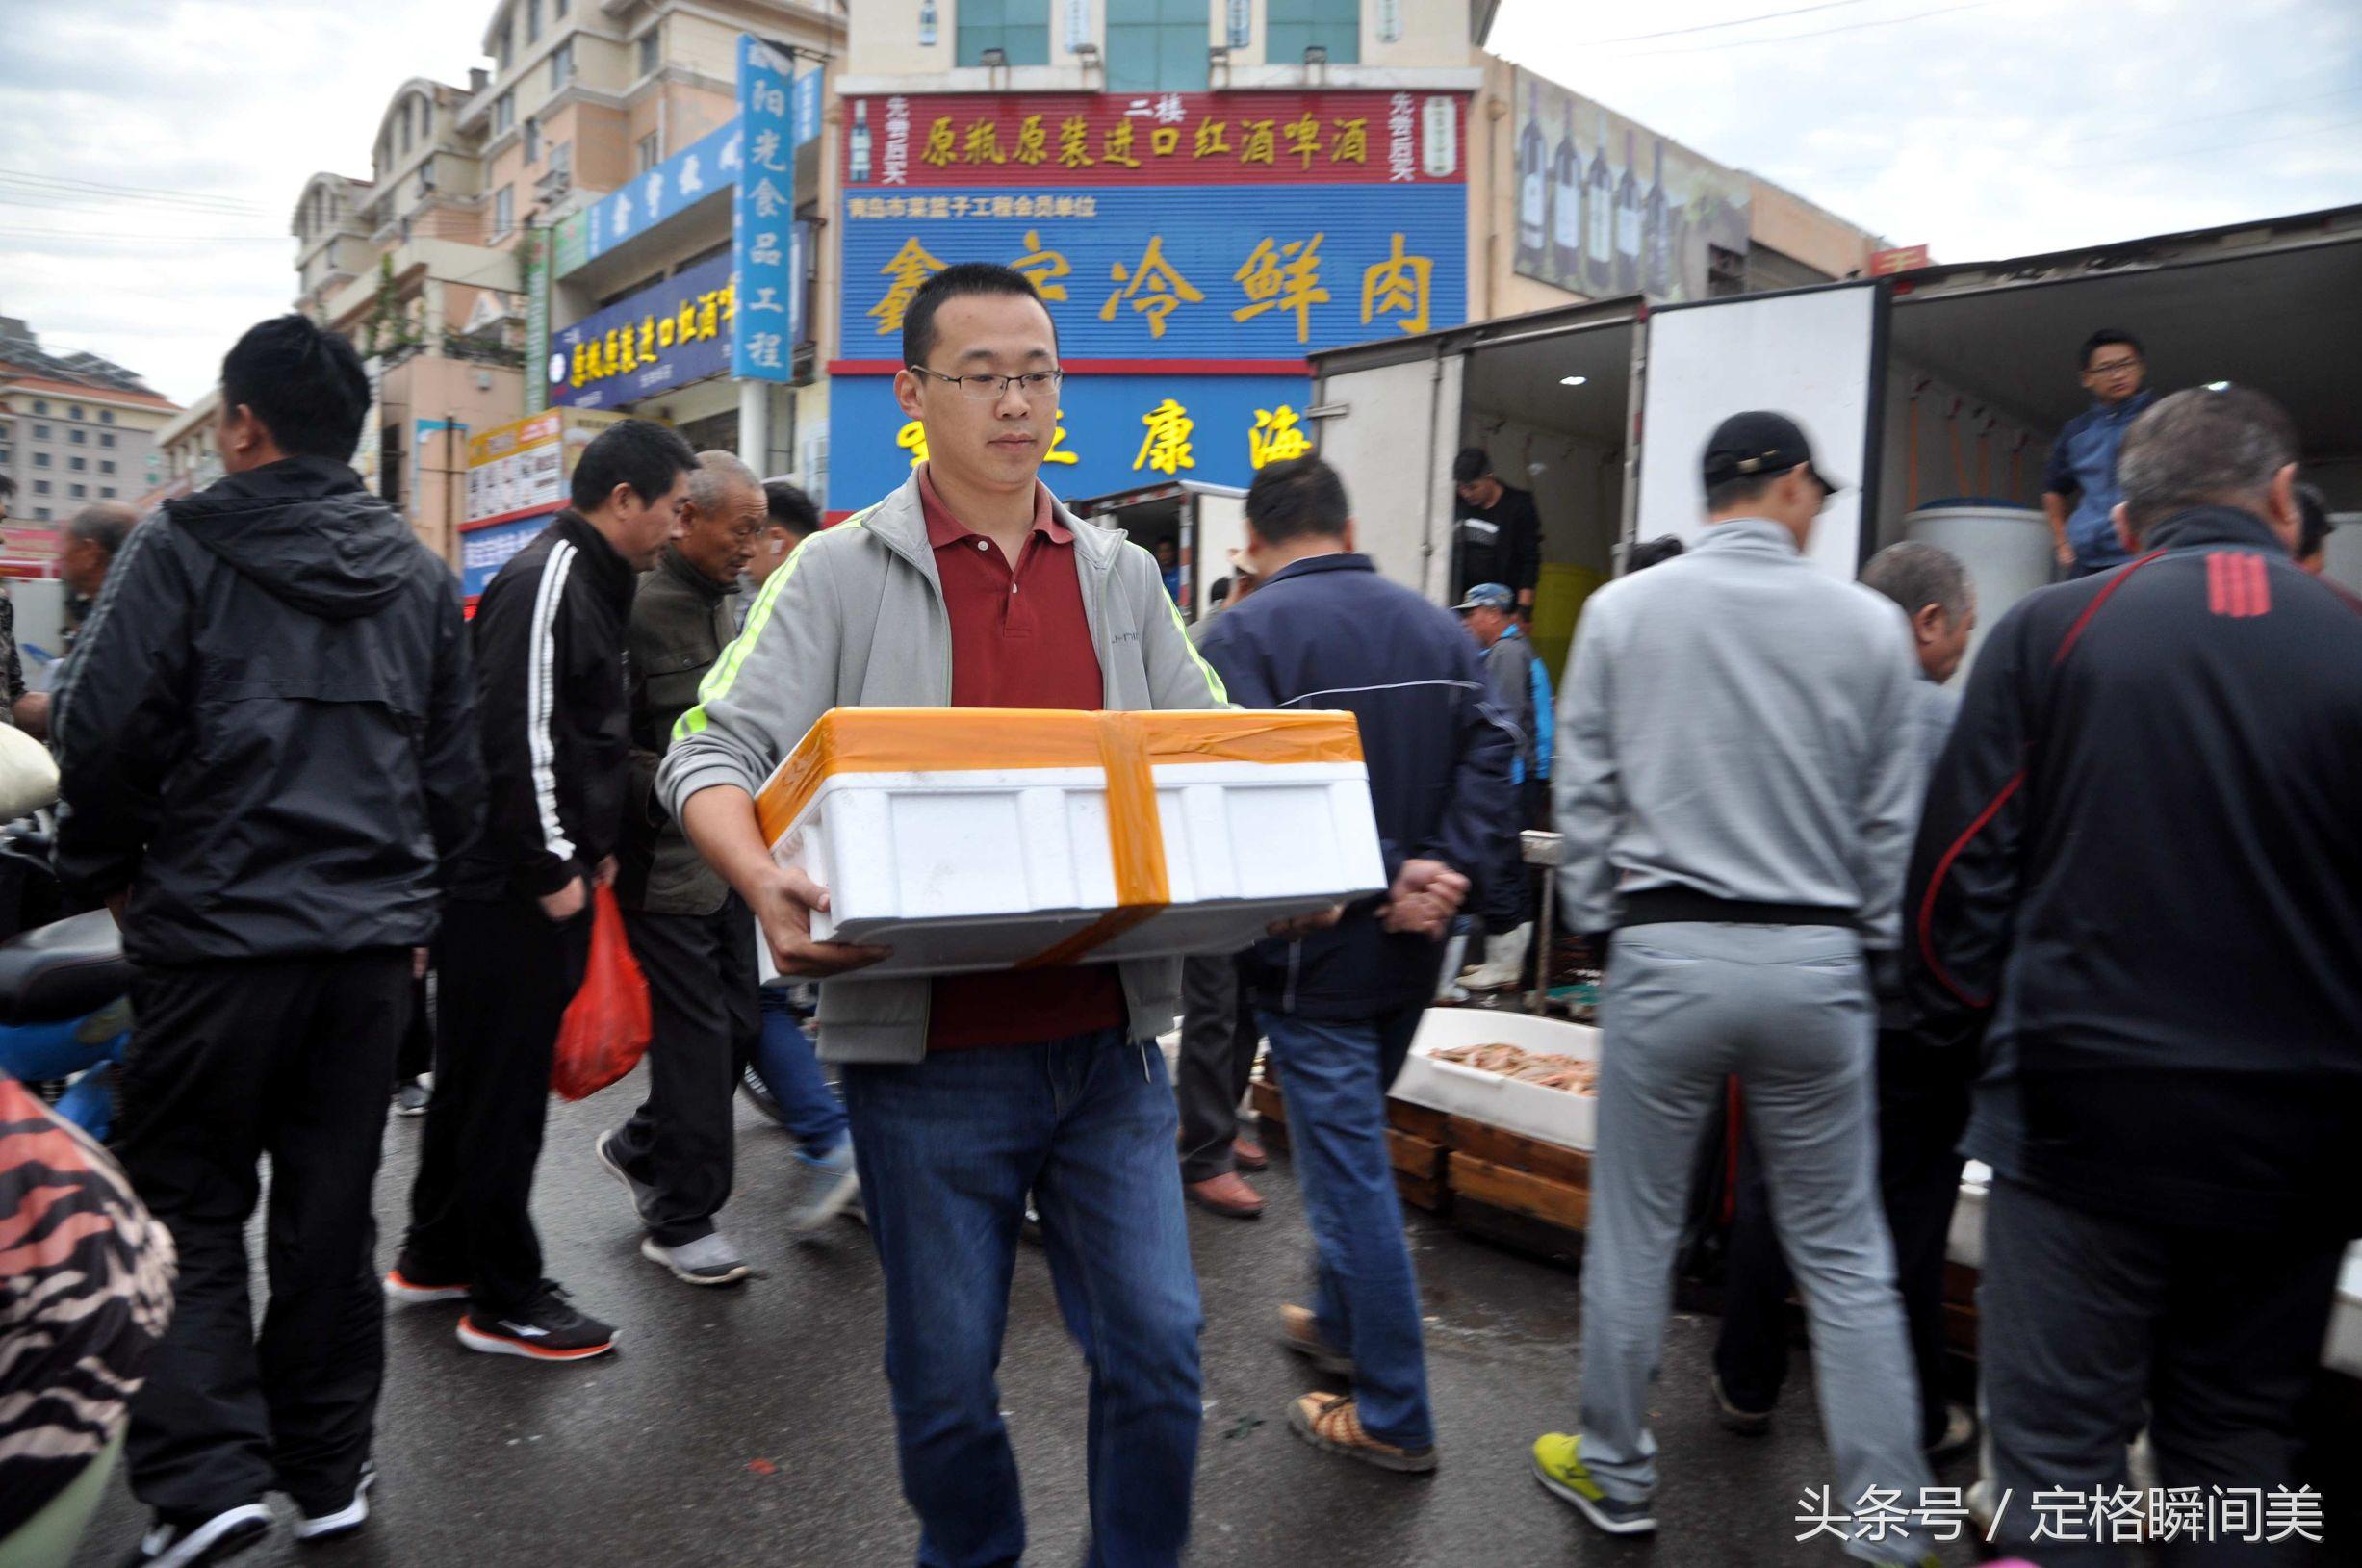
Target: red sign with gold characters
x: 1064, y: 140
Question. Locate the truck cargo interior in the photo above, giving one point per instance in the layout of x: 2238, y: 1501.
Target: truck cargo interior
x: 1978, y: 381
x: 1551, y: 411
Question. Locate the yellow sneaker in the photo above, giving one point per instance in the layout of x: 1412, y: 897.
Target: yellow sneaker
x: 1558, y: 1464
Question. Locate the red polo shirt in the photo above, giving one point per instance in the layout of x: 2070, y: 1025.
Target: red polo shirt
x: 1019, y: 639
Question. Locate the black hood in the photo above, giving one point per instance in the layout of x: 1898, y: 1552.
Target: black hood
x: 305, y: 531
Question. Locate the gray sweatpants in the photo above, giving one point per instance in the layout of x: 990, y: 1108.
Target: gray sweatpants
x: 1788, y: 1010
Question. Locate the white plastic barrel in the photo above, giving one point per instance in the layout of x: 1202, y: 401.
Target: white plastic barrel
x: 2006, y: 548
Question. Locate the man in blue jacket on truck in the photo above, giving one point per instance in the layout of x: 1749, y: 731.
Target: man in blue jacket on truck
x: 1340, y: 1006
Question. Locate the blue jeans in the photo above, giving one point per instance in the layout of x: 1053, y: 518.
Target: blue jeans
x: 1334, y: 1077
x: 784, y: 1062
x: 947, y: 1149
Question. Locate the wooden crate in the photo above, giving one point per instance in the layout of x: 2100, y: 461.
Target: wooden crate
x: 1414, y: 1144
x: 1524, y: 1192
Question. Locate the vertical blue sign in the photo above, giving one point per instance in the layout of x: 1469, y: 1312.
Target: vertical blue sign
x: 807, y: 110
x: 762, y: 246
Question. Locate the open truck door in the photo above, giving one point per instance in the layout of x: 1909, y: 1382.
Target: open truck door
x: 1391, y: 430
x: 1813, y: 355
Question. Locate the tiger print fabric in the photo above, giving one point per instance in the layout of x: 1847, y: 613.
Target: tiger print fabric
x: 86, y: 1290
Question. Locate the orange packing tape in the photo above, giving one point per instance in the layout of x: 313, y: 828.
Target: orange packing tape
x: 1135, y: 840
x: 1126, y: 746
x: 966, y: 739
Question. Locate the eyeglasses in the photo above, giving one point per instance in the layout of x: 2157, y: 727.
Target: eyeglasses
x: 992, y: 389
x: 2116, y: 367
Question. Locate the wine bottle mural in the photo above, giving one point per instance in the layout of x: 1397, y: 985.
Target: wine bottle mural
x: 1603, y: 206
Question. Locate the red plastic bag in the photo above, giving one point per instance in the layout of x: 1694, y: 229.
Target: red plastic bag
x: 607, y: 1026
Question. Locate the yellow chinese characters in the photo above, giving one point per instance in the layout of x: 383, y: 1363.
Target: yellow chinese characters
x: 911, y: 267
x: 983, y: 143
x: 1155, y: 288
x: 1165, y: 448
x: 1033, y: 140
x: 1042, y: 267
x: 1283, y: 278
x: 942, y: 145
x: 1275, y: 437
x: 1397, y: 286
x: 636, y: 345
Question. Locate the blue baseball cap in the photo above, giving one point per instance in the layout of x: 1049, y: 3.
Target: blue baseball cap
x: 1487, y: 596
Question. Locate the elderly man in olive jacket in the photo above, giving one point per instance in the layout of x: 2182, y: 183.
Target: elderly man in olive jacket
x: 693, y: 937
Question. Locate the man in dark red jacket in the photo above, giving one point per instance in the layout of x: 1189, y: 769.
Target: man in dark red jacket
x: 2140, y: 872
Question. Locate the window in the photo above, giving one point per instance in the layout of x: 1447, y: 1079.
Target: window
x: 504, y: 211
x: 532, y: 140
x: 106, y: 465
x: 1725, y: 271
x: 651, y: 47
x: 73, y: 411
x: 1019, y: 28
x: 106, y: 491
x: 403, y: 136
x: 506, y: 51
x: 1293, y: 26
x: 40, y: 406
x: 78, y: 491
x: 558, y: 8
x: 1156, y: 45
x: 42, y: 513
x: 503, y: 114
x: 41, y: 432
x: 106, y: 438
x: 80, y: 438
x: 426, y: 176
x: 106, y: 416
x: 40, y: 459
x: 532, y: 22
x: 561, y: 65
x: 41, y: 487
x: 561, y: 160
x: 78, y: 463
x: 647, y: 153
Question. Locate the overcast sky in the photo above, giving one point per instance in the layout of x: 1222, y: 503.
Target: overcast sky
x: 1981, y: 127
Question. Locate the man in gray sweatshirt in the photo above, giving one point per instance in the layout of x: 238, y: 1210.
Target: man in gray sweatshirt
x: 1738, y: 814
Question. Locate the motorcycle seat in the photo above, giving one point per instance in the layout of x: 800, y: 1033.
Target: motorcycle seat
x: 63, y: 970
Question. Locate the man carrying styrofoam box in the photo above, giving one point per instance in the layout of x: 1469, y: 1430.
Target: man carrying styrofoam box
x: 971, y: 587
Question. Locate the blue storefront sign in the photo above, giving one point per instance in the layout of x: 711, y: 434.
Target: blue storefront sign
x: 484, y: 550
x: 806, y: 106
x: 673, y: 332
x: 764, y: 246
x: 1115, y: 432
x: 1190, y: 272
x: 703, y: 168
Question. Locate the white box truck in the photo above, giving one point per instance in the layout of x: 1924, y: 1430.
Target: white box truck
x: 1933, y: 394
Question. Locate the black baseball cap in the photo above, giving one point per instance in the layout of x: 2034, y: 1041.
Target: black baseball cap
x: 1760, y: 442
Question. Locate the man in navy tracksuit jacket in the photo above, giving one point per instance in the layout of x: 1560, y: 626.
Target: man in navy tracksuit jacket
x: 1325, y: 630
x: 2139, y: 873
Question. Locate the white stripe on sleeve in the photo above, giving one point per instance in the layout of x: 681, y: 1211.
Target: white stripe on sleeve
x: 540, y: 696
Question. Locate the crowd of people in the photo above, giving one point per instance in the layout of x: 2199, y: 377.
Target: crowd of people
x: 2095, y: 917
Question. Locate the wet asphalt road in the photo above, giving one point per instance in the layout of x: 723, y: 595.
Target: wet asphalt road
x: 750, y: 1425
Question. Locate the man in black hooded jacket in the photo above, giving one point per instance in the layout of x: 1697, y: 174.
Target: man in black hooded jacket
x: 267, y: 752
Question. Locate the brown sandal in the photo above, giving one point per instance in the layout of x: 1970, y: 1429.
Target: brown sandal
x: 1330, y: 1422
x: 1301, y: 1331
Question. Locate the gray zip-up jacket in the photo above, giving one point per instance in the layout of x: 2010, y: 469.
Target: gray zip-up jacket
x: 857, y: 619
x: 1734, y: 723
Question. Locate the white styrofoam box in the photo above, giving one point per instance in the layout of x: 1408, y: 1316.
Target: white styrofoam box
x: 1554, y: 1116
x: 2342, y: 1352
x: 976, y: 869
x: 1966, y: 1243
